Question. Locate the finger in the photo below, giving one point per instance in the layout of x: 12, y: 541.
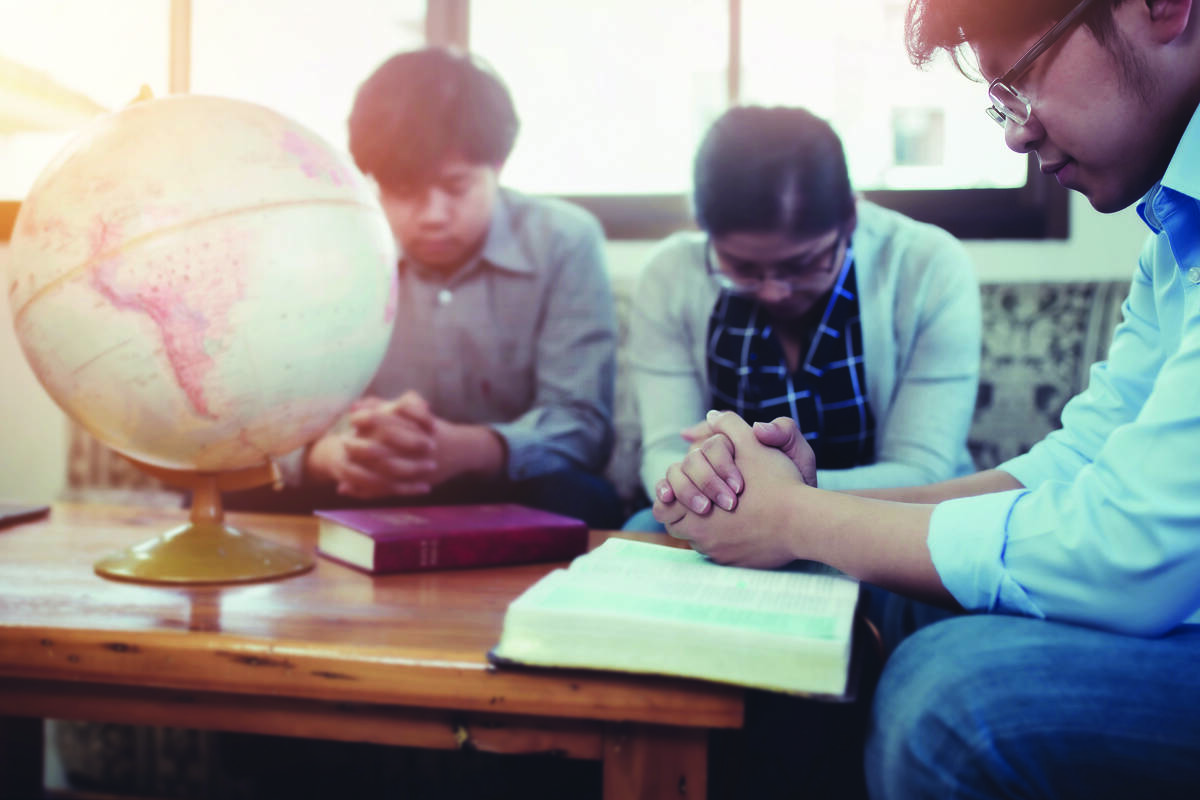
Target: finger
x: 357, y: 481
x: 733, y: 427
x: 386, y: 463
x: 695, y: 433
x: 663, y: 492
x: 687, y: 492
x: 367, y: 402
x: 405, y: 439
x: 373, y: 491
x: 668, y: 513
x: 367, y: 419
x: 710, y: 468
x: 412, y: 406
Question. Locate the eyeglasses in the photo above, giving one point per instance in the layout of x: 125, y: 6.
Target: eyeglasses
x: 798, y: 272
x: 1008, y: 103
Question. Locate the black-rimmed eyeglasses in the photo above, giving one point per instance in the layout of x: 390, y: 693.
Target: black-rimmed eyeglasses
x: 798, y: 272
x: 1008, y: 103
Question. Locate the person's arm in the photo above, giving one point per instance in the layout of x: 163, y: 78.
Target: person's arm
x: 670, y: 392
x: 779, y: 519
x: 1112, y: 541
x: 1118, y: 388
x: 1114, y: 546
x: 923, y: 430
x: 569, y: 423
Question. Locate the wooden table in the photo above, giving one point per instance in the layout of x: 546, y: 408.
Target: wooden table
x: 330, y: 654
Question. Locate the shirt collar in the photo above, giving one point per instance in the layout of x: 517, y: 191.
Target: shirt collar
x: 1182, y: 174
x: 501, y: 249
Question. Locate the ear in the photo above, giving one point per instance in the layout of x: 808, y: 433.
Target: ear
x: 1168, y: 19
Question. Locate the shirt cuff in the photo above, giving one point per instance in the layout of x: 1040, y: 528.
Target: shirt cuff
x: 967, y: 539
x: 291, y: 466
x: 524, y: 450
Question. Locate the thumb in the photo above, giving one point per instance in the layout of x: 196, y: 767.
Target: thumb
x: 781, y: 433
x: 784, y: 434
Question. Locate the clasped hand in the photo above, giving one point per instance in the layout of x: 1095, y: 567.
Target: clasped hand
x: 727, y: 496
x: 391, y: 449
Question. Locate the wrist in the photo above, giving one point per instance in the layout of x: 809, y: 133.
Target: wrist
x: 802, y: 520
x: 481, y: 450
x: 319, y: 460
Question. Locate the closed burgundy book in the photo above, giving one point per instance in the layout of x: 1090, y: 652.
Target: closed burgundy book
x: 416, y: 538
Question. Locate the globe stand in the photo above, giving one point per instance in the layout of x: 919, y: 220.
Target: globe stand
x: 206, y: 550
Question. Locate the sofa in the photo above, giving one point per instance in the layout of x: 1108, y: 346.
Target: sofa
x: 1039, y: 340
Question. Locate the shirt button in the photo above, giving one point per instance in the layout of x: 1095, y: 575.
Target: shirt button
x: 444, y: 297
x: 1194, y: 276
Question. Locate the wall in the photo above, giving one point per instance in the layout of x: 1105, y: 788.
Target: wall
x: 33, y: 431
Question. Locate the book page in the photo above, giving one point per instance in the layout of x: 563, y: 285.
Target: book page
x: 661, y: 571
x: 654, y: 581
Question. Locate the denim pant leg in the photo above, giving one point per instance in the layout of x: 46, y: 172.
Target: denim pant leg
x: 997, y: 706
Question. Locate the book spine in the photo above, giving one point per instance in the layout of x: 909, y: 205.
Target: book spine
x: 446, y: 550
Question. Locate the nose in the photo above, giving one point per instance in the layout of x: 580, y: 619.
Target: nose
x: 1023, y: 138
x: 773, y: 291
x: 435, y: 207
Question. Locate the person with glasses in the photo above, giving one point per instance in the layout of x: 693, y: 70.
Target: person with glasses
x: 1078, y: 678
x: 796, y: 299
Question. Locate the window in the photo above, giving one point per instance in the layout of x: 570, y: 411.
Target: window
x: 613, y: 96
x: 62, y: 62
x: 305, y: 65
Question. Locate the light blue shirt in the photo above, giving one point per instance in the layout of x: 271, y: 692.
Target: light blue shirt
x: 1107, y: 532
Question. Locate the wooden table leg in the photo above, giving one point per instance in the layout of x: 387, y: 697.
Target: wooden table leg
x: 645, y: 762
x: 21, y: 754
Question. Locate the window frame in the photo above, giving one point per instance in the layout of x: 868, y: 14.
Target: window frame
x: 1037, y: 210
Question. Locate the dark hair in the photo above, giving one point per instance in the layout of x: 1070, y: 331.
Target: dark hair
x: 771, y: 169
x: 421, y: 106
x: 952, y: 25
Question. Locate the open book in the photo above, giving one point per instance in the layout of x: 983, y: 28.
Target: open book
x: 641, y: 607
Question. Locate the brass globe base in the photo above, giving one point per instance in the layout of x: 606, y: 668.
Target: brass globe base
x: 206, y: 550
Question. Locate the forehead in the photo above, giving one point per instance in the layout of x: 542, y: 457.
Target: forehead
x: 772, y: 245
x: 996, y: 53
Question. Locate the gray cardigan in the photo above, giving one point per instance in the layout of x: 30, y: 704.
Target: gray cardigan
x: 921, y: 331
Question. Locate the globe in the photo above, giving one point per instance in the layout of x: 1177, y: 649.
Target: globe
x: 202, y: 283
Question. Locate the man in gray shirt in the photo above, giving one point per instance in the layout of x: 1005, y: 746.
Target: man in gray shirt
x: 498, y: 381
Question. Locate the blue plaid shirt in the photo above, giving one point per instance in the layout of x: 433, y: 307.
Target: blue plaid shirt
x: 827, y: 393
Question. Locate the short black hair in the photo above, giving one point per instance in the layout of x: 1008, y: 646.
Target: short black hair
x: 421, y: 106
x: 931, y: 26
x: 771, y: 169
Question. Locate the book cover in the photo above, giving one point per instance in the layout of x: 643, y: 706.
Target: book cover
x: 12, y: 513
x: 640, y: 607
x: 414, y: 538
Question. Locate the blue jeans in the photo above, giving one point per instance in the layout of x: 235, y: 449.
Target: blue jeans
x: 995, y: 706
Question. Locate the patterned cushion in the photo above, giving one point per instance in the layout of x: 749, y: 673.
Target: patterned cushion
x: 1039, y: 341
